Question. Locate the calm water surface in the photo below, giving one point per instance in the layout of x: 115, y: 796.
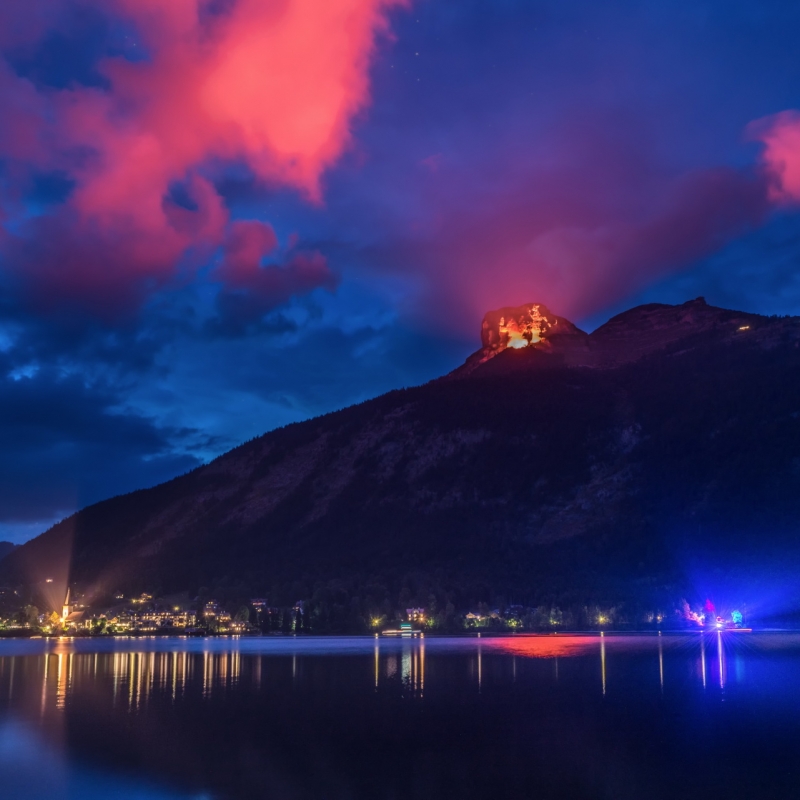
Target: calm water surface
x: 694, y: 716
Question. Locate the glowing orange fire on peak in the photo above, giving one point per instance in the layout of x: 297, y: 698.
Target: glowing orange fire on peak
x: 520, y: 326
x: 524, y: 329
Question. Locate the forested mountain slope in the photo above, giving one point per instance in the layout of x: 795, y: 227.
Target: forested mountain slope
x: 620, y: 465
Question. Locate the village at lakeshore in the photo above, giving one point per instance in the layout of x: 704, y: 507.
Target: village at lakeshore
x: 145, y: 615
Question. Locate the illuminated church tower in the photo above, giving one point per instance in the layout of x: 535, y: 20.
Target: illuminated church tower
x: 67, y: 609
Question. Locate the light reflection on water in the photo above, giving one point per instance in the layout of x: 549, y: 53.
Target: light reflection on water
x: 142, y: 716
x: 134, y: 675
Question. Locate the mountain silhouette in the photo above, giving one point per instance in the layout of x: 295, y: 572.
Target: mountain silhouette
x: 647, y: 461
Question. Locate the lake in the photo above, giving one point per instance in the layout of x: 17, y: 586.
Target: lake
x: 672, y: 716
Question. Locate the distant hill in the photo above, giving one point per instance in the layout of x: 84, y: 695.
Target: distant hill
x: 6, y: 548
x: 655, y: 458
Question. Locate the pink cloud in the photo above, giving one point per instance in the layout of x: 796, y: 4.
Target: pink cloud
x: 780, y: 135
x: 276, y: 84
x: 109, y: 267
x: 547, y: 244
x: 250, y: 290
x: 248, y: 242
x: 592, y: 217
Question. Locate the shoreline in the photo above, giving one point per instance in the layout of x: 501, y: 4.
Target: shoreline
x: 25, y: 635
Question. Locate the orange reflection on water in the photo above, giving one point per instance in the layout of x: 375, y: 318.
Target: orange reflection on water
x: 544, y: 646
x: 133, y: 676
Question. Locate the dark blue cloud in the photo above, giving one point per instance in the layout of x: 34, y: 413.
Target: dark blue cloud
x: 64, y: 444
x: 69, y: 53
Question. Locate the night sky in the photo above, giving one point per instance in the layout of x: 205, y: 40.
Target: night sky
x: 221, y: 216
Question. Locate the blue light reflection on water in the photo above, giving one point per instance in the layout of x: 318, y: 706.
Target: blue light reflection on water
x: 61, y: 700
x: 33, y: 769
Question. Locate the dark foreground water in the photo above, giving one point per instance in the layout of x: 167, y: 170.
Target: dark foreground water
x: 695, y: 716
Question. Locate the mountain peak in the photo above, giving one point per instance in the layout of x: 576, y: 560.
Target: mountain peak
x: 522, y: 326
x: 531, y: 328
x: 544, y: 338
x: 646, y: 328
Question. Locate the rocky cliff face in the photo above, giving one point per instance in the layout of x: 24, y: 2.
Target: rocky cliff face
x: 531, y: 325
x: 577, y: 466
